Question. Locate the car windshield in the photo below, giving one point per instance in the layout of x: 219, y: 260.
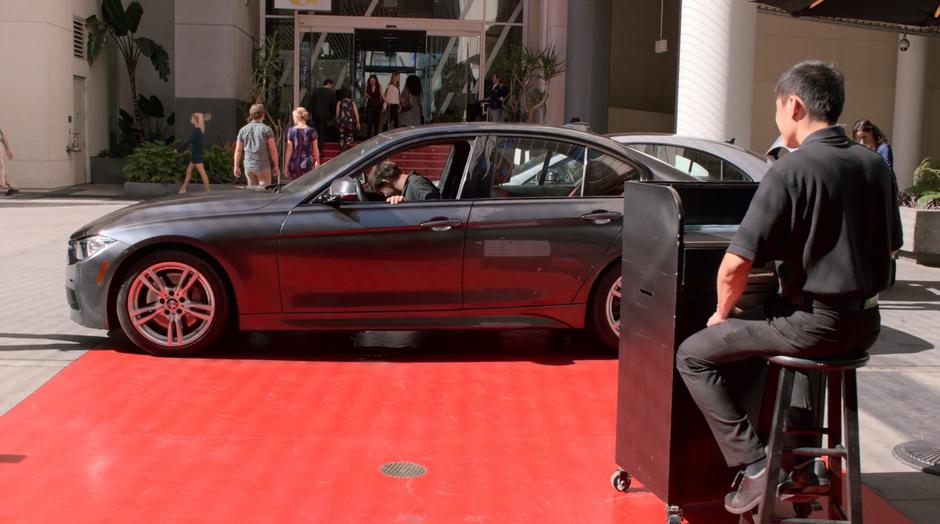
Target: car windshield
x: 330, y: 168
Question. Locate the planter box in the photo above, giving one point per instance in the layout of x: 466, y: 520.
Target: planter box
x: 148, y: 190
x: 921, y: 235
x: 107, y: 170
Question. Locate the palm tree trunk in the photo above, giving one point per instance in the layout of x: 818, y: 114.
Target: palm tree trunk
x: 138, y: 120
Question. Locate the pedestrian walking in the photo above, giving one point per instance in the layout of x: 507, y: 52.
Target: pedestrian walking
x: 827, y: 215
x: 868, y: 134
x: 195, y: 142
x: 347, y: 119
x: 411, y: 113
x: 393, y: 100
x: 302, y: 152
x: 8, y: 153
x: 256, y: 145
x: 374, y: 104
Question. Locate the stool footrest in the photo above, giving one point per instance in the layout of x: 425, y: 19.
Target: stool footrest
x: 818, y: 452
x: 811, y: 521
x: 807, y: 431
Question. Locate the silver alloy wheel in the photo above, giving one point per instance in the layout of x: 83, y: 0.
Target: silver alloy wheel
x: 613, y: 307
x: 171, y: 304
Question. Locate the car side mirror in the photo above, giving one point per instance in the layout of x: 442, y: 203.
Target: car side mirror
x: 343, y: 189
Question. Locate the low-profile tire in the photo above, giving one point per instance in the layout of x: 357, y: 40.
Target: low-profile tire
x: 604, y: 315
x: 173, y: 303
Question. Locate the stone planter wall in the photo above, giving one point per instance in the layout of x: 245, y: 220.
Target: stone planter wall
x: 148, y: 190
x: 107, y: 170
x: 921, y: 235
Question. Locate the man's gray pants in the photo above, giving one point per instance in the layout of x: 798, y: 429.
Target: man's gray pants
x: 776, y: 328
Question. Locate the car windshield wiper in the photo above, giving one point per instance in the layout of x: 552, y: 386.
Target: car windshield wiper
x: 274, y: 188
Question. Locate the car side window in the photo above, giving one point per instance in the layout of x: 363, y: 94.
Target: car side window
x: 606, y: 175
x: 442, y: 163
x: 701, y: 165
x: 516, y: 167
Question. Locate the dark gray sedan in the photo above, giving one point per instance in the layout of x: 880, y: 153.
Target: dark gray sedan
x: 526, y: 234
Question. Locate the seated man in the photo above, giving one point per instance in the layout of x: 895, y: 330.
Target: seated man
x: 396, y: 186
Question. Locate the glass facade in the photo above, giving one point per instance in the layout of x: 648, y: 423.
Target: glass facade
x: 459, y: 51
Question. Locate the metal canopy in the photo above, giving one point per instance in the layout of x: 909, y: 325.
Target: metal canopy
x: 911, y: 16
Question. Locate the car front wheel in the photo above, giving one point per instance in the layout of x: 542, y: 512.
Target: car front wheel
x: 605, y: 308
x: 173, y: 303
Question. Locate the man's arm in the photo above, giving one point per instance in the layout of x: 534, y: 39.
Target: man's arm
x: 731, y: 281
x: 239, y: 151
x: 272, y: 151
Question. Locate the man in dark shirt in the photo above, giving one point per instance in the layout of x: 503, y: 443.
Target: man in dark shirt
x: 498, y: 94
x: 827, y: 215
x: 387, y: 178
x: 321, y: 104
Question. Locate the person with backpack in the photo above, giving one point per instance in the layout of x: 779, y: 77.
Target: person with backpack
x: 347, y: 118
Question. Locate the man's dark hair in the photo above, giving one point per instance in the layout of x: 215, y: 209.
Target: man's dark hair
x: 819, y: 85
x: 328, y: 82
x: 383, y: 174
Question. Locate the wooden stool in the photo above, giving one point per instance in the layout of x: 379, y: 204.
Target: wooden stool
x: 842, y: 403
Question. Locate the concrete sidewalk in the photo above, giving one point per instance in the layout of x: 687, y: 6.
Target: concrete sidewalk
x: 899, y: 392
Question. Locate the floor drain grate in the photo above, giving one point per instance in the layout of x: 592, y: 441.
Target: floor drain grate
x: 402, y: 470
x: 920, y: 454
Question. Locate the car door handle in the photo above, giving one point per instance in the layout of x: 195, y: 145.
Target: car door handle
x: 442, y: 225
x: 602, y: 217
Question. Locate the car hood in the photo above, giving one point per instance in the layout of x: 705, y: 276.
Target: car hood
x: 178, y: 207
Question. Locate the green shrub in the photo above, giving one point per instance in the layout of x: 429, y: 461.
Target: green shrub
x: 154, y: 162
x: 925, y: 193
x: 218, y: 164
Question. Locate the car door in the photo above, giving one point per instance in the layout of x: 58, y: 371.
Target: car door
x: 533, y: 235
x: 373, y: 256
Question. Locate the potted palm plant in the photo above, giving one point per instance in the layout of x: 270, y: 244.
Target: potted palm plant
x: 920, y: 215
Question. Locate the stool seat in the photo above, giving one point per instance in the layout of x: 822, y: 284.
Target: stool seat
x: 852, y: 361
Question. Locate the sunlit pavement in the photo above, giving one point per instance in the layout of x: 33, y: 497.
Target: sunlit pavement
x: 512, y: 427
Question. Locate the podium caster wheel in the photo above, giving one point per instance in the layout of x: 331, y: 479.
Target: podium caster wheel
x: 802, y: 509
x: 620, y: 480
x: 673, y: 515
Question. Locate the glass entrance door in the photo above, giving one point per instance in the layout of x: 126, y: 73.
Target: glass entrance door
x: 448, y: 68
x: 452, y: 66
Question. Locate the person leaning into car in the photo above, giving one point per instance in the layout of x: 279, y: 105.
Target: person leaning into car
x: 827, y: 215
x: 395, y: 186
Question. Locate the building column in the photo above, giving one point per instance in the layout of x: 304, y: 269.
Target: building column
x: 716, y: 69
x: 588, y: 62
x: 910, y: 90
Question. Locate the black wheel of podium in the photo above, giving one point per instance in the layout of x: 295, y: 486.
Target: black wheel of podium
x: 803, y: 509
x: 621, y: 480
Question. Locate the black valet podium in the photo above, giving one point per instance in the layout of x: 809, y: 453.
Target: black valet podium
x: 673, y: 241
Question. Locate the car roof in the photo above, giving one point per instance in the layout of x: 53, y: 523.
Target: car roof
x: 754, y: 164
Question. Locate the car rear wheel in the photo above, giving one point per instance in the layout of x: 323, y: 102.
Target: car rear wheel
x: 173, y: 303
x: 605, y: 308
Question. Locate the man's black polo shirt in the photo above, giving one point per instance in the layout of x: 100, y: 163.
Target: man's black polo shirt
x: 828, y: 214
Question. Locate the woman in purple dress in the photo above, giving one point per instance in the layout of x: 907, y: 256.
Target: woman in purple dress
x: 302, y: 152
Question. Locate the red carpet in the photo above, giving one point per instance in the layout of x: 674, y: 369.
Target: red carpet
x: 266, y: 435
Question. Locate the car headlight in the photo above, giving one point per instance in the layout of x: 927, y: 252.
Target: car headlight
x: 88, y: 247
